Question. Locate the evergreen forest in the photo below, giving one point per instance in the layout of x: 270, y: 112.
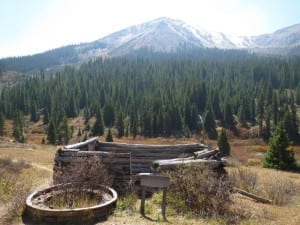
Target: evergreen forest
x: 163, y: 94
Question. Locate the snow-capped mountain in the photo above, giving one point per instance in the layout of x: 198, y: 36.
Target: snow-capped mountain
x: 288, y: 37
x: 167, y: 35
x: 160, y: 35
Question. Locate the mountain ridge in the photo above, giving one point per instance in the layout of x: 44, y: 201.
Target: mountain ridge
x: 162, y: 35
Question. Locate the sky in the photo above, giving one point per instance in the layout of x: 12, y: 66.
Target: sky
x: 33, y: 26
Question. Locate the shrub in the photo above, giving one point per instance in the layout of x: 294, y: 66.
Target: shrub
x: 87, y: 174
x: 200, y: 190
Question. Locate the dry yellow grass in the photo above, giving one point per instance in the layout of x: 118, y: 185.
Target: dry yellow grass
x: 39, y: 154
x: 283, y: 187
x: 18, y: 179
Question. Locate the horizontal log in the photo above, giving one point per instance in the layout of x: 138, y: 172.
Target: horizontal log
x: 90, y: 153
x: 149, y: 151
x: 140, y: 146
x: 69, y: 159
x: 253, y: 196
x: 80, y: 144
x: 205, y: 153
x: 168, y: 164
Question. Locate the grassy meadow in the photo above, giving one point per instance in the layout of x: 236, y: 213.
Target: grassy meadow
x: 27, y: 167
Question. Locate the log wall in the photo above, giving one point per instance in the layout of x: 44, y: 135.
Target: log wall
x: 118, y: 164
x: 142, y: 156
x: 122, y: 160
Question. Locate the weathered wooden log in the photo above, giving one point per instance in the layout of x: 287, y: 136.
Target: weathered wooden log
x: 205, y: 153
x: 142, y: 146
x: 253, y: 196
x: 81, y: 144
x: 170, y: 164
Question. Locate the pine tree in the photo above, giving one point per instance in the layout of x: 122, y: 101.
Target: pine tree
x: 147, y: 124
x: 133, y: 124
x: 79, y: 132
x: 209, y: 125
x: 34, y: 114
x: 46, y: 116
x: 120, y: 125
x: 98, y: 128
x: 86, y: 114
x: 260, y: 113
x: 228, y: 116
x: 18, y: 133
x: 187, y: 114
x: 223, y: 144
x: 108, y: 114
x: 290, y: 124
x: 267, y: 128
x: 52, y: 132
x: 65, y: 131
x: 275, y: 108
x: 242, y: 116
x: 72, y: 109
x: 18, y: 129
x: 109, y: 137
x: 279, y: 156
x: 2, y: 124
x: 294, y: 121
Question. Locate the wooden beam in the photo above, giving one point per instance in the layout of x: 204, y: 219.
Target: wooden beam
x: 205, y: 153
x: 169, y: 164
x: 253, y: 196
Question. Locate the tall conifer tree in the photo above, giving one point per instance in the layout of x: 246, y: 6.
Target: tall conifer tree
x: 279, y: 156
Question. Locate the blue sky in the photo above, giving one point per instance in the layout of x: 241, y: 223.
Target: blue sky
x: 32, y: 26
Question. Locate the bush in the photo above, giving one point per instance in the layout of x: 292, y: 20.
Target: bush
x: 199, y: 190
x: 87, y: 173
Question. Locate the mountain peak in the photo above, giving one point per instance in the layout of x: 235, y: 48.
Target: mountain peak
x: 165, y: 34
x: 165, y: 20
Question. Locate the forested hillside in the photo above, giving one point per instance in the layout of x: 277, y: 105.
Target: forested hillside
x: 52, y: 58
x: 164, y: 94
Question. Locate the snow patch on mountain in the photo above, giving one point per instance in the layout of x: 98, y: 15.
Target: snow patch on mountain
x: 166, y: 35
